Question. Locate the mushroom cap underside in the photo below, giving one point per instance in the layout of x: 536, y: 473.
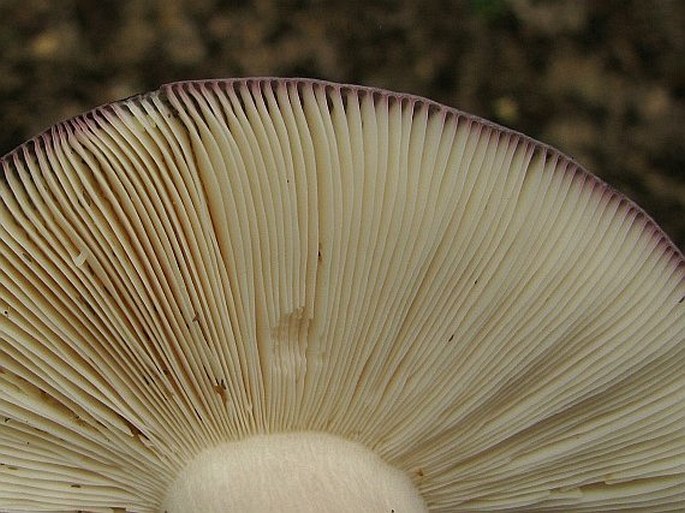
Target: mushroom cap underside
x: 220, y: 260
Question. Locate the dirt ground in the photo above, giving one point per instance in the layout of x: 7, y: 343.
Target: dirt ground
x: 603, y: 80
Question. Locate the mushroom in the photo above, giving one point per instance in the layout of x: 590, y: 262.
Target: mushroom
x: 291, y: 295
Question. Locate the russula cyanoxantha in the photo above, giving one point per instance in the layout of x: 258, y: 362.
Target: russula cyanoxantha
x: 289, y: 295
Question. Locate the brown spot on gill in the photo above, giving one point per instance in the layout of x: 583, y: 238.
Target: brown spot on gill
x: 221, y: 389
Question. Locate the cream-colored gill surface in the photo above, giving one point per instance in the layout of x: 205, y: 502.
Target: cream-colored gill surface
x: 223, y: 259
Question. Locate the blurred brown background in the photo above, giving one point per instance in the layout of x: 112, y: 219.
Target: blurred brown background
x: 603, y: 80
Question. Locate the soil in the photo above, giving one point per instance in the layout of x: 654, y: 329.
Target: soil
x: 603, y: 80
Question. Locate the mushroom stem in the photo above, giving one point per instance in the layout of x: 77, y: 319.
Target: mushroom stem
x: 293, y: 472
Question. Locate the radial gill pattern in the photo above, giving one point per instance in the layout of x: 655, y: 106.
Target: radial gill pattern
x: 217, y: 260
